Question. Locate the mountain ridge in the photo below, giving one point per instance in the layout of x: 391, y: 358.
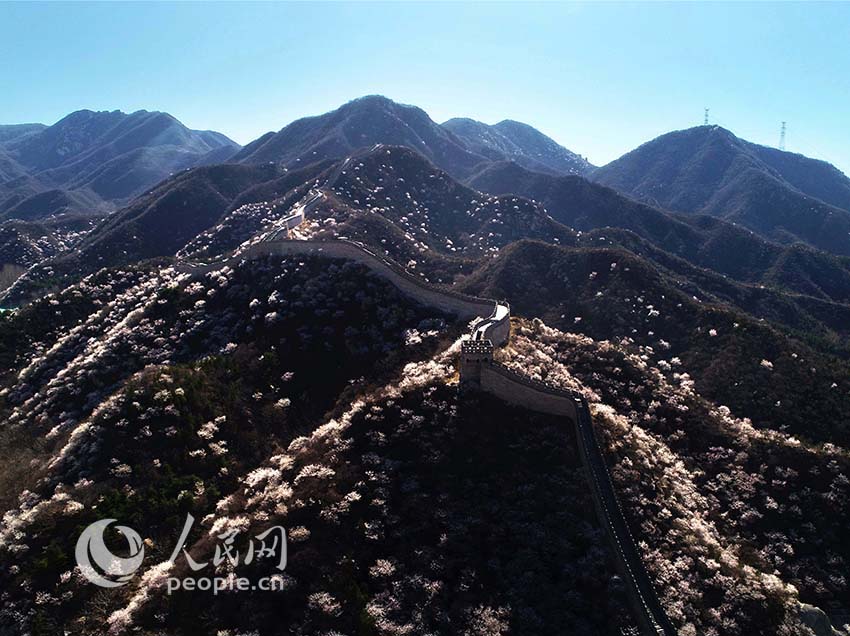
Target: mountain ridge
x: 375, y: 119
x: 102, y: 157
x: 519, y: 142
x: 708, y: 170
x: 702, y: 240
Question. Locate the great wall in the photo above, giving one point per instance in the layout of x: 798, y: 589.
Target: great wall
x: 479, y: 371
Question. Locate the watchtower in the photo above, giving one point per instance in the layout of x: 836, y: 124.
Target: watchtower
x: 474, y: 353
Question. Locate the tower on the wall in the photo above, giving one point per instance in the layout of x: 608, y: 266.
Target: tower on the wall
x: 474, y: 353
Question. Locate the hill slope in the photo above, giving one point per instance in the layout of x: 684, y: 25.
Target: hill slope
x: 358, y: 124
x: 709, y: 170
x: 457, y: 146
x: 703, y: 241
x: 610, y: 294
x: 8, y: 132
x: 520, y: 143
x: 104, y: 157
x: 309, y: 394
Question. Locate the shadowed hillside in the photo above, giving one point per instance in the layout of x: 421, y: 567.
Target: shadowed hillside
x: 458, y: 146
x: 362, y: 123
x: 156, y: 224
x: 703, y: 241
x: 782, y: 196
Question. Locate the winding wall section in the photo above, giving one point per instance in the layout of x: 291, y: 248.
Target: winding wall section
x: 479, y: 370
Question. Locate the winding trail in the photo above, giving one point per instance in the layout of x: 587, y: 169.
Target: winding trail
x: 478, y: 370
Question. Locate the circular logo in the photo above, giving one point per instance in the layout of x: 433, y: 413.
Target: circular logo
x: 98, y: 564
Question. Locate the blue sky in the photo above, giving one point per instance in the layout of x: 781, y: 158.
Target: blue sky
x: 600, y: 78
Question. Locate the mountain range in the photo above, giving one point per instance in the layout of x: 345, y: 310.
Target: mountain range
x: 459, y: 146
x: 704, y: 241
x: 782, y: 196
x: 90, y: 162
x: 696, y: 292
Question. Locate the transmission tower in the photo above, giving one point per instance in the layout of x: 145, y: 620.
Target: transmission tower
x: 782, y: 137
x: 705, y: 121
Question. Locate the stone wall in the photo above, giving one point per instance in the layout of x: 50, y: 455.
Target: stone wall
x: 516, y: 389
x: 500, y: 331
x: 461, y: 305
x: 464, y: 306
x: 496, y: 327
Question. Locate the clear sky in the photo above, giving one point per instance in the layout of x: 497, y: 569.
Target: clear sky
x: 600, y: 78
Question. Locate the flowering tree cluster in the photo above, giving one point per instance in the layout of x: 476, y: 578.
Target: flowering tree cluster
x: 738, y: 524
x: 781, y: 378
x: 150, y: 394
x: 397, y: 202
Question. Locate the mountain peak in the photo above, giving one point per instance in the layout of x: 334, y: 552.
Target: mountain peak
x: 379, y: 105
x: 103, y: 157
x: 709, y: 170
x: 84, y: 114
x: 513, y: 123
x: 372, y: 100
x: 519, y: 142
x: 362, y: 123
x: 460, y: 146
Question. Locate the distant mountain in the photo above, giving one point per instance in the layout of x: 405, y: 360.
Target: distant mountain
x: 86, y: 137
x: 58, y: 201
x: 100, y: 158
x: 160, y: 222
x: 460, y: 147
x: 703, y: 241
x: 782, y: 196
x: 362, y: 123
x: 814, y: 177
x: 518, y: 142
x: 9, y: 168
x: 216, y: 139
x: 390, y: 197
x: 9, y: 132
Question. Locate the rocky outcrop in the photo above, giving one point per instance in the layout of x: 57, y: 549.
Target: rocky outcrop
x: 816, y: 619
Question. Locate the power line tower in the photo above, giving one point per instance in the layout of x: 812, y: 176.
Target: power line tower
x: 782, y: 137
x: 705, y: 120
